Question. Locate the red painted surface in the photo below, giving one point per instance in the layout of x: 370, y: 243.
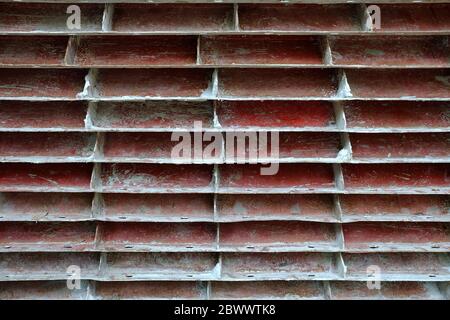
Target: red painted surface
x: 61, y: 145
x: 42, y: 115
x: 41, y: 83
x: 405, y: 206
x: 277, y: 83
x: 366, y: 234
x: 136, y: 51
x: 119, y: 237
x: 45, y: 177
x: 154, y: 206
x: 152, y: 82
x: 151, y: 290
x: 171, y: 17
x: 246, y: 50
x: 30, y: 51
x: 390, y: 51
x: 28, y: 17
x: 415, y: 17
x: 276, y: 114
x: 397, y: 115
x: 409, y: 145
x: 262, y: 235
x: 153, y: 115
x: 297, y: 17
x: 308, y: 176
x: 393, y: 176
x: 140, y: 177
x: 43, y: 206
x: 386, y: 83
x: 267, y: 290
x: 272, y: 206
x: 47, y: 236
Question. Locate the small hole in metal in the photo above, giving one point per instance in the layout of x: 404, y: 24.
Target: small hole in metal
x: 250, y: 276
x: 189, y: 247
x: 128, y: 246
x: 432, y: 275
x: 373, y: 247
x: 250, y: 247
x: 311, y: 247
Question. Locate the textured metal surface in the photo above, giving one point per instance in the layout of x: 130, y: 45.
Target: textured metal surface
x: 87, y: 176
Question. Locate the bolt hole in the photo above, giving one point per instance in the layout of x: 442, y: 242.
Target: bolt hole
x: 8, y: 247
x: 128, y: 246
x: 435, y: 247
x: 62, y: 217
x: 373, y: 247
x: 250, y: 247
x: 250, y: 276
x: 190, y: 276
x: 67, y: 246
x: 311, y: 247
x: 129, y: 276
x: 184, y: 218
x: 311, y: 275
x: 432, y: 276
x: 189, y: 247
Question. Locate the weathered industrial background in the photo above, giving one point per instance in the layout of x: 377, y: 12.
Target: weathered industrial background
x: 86, y: 179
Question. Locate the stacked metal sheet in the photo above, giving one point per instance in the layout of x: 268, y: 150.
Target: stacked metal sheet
x: 359, y: 207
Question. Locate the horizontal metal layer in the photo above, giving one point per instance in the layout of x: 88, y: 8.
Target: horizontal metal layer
x: 311, y: 290
x: 284, y: 147
x: 264, y: 236
x: 226, y: 266
x: 50, y: 18
x: 398, y: 178
x: 17, y: 206
x: 226, y: 116
x: 224, y: 51
x: 224, y: 84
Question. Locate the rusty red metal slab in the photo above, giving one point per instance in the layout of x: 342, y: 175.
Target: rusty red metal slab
x: 311, y: 290
x: 31, y: 51
x: 298, y: 17
x: 159, y: 266
x: 290, y: 177
x: 19, y: 206
x: 396, y: 236
x: 182, y: 18
x: 414, y: 17
x: 152, y: 115
x: 398, y: 177
x: 152, y: 82
x: 136, y: 51
x: 148, y: 290
x: 47, y: 236
x: 45, y: 177
x: 47, y: 17
x: 260, y: 50
x: 272, y: 266
x: 241, y: 207
x: 278, y: 236
x: 397, y: 115
x: 278, y: 83
x: 158, y: 236
x: 47, y: 266
x: 390, y: 51
x: 43, y: 146
x: 44, y: 290
x: 157, y: 207
x: 398, y: 266
x: 427, y: 146
x: 49, y: 115
x: 144, y: 178
x: 344, y: 290
x: 395, y: 207
x: 52, y: 83
x: 312, y: 115
x: 153, y: 147
x: 390, y: 83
